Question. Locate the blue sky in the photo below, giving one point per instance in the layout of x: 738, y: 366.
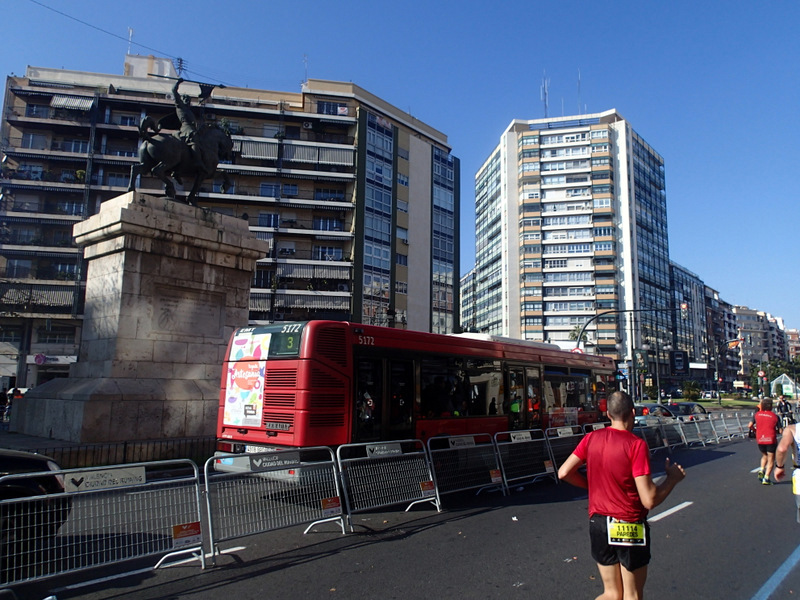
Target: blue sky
x: 712, y: 86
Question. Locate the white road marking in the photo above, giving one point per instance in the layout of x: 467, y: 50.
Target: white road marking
x: 667, y: 513
x: 777, y: 578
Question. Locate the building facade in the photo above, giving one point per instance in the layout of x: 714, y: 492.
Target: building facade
x: 571, y: 223
x: 353, y: 195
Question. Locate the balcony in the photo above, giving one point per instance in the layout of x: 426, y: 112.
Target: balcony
x: 19, y: 299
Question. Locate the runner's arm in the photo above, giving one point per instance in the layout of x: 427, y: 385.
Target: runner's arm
x: 787, y: 439
x: 569, y: 472
x: 651, y: 494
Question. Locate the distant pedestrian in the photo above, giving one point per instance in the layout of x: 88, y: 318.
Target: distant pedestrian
x: 621, y: 492
x: 766, y: 425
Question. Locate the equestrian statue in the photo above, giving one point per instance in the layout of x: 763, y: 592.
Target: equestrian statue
x: 192, y: 151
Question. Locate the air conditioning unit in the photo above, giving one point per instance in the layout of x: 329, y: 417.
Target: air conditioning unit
x: 308, y: 125
x: 343, y: 287
x: 169, y: 96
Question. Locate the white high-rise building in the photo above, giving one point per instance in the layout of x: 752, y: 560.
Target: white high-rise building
x: 571, y: 217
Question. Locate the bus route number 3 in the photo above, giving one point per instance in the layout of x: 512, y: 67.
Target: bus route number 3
x: 366, y: 340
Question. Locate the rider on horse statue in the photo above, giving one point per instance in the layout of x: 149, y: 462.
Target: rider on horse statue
x: 193, y: 150
x: 188, y: 124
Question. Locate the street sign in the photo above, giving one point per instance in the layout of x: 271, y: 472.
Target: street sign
x: 576, y: 351
x: 761, y: 373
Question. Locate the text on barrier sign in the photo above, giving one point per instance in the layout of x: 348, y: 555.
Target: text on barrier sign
x: 84, y: 481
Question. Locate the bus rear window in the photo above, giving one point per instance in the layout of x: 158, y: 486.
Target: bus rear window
x: 268, y: 341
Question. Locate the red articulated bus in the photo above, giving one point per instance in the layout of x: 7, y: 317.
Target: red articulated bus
x: 326, y: 383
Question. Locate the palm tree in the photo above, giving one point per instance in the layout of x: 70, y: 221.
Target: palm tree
x: 691, y: 390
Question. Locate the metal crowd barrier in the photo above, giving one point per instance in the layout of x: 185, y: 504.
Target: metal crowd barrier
x: 563, y: 441
x: 707, y: 431
x: 381, y: 474
x: 105, y: 515
x: 464, y: 462
x: 736, y: 426
x: 524, y: 456
x: 652, y: 434
x: 254, y: 493
x: 672, y: 432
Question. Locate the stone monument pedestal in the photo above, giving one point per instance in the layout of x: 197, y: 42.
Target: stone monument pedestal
x: 167, y: 284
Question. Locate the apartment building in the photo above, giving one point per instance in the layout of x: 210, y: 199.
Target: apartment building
x: 353, y: 195
x: 571, y: 223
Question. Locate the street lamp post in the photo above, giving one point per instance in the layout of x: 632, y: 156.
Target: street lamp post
x: 726, y: 345
x: 659, y: 347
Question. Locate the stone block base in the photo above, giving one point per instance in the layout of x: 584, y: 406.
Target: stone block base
x: 113, y: 410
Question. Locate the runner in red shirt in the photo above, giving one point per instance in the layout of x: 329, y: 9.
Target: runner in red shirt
x: 767, y: 427
x: 621, y: 491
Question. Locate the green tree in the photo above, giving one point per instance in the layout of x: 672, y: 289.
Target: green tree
x: 691, y: 390
x: 573, y: 335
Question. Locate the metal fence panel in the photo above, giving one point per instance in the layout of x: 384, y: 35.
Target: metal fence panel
x: 105, y: 515
x: 524, y: 456
x: 563, y: 441
x: 254, y: 493
x: 375, y: 475
x: 706, y: 431
x: 653, y: 435
x: 465, y: 462
x: 672, y: 431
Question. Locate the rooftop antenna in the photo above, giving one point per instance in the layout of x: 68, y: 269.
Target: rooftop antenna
x: 544, y: 90
x: 130, y: 38
x: 180, y: 65
x: 305, y: 65
x: 579, y: 91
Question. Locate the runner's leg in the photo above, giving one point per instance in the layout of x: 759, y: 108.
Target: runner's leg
x: 612, y: 582
x: 633, y: 583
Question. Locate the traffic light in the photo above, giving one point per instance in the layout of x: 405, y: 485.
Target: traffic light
x: 684, y: 310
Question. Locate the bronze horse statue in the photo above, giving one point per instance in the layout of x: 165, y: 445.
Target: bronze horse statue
x: 166, y: 155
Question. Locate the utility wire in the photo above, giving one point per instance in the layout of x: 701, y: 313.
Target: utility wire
x: 124, y: 39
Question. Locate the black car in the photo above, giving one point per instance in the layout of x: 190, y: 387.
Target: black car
x: 650, y: 410
x: 29, y: 523
x: 688, y: 411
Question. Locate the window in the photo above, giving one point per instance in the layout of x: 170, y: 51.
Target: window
x: 402, y: 179
x: 131, y: 120
x: 603, y: 231
x: 402, y: 206
x: 290, y: 189
x: 34, y: 141
x: 117, y: 179
x: 269, y: 189
x: 402, y: 234
x: 37, y: 110
x: 326, y: 253
x: 18, y: 268
x: 401, y: 259
x: 268, y: 219
x: 332, y: 108
x: 56, y: 335
x: 401, y: 287
x: 328, y: 194
x: 327, y: 224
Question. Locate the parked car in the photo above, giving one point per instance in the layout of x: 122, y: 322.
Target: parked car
x: 26, y: 524
x: 645, y: 410
x: 687, y: 411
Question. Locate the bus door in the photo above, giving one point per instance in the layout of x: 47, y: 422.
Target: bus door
x: 384, y: 399
x: 514, y: 401
x: 533, y: 398
x: 523, y: 400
